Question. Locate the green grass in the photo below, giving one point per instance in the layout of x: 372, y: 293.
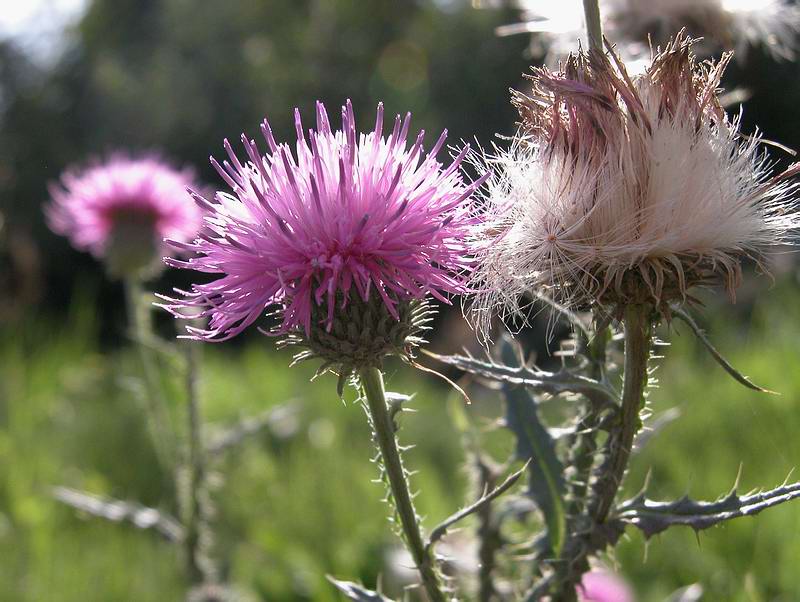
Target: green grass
x: 296, y: 507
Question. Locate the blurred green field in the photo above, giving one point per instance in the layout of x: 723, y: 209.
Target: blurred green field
x: 299, y: 504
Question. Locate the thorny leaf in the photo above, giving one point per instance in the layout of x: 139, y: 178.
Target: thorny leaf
x: 698, y: 332
x: 395, y: 402
x: 280, y: 418
x: 653, y: 517
x: 541, y: 381
x: 343, y: 379
x: 441, y: 530
x: 118, y: 511
x: 546, y: 485
x: 357, y: 592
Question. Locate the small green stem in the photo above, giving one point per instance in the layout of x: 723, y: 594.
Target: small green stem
x: 489, y: 537
x: 574, y: 561
x: 585, y: 444
x: 196, y: 474
x: 157, y: 414
x: 638, y: 333
x: 594, y: 29
x: 582, y: 451
x: 372, y: 383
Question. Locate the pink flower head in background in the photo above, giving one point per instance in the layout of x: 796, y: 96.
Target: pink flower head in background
x: 346, y: 215
x: 122, y: 210
x: 602, y: 586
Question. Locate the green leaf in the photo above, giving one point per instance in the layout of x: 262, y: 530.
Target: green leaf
x: 534, y: 442
x: 515, y: 372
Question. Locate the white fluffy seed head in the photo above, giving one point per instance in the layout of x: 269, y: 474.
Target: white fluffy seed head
x: 622, y: 189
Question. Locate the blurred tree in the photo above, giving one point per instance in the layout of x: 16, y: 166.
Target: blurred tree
x: 179, y: 76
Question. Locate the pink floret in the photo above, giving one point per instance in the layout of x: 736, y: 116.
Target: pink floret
x: 345, y: 214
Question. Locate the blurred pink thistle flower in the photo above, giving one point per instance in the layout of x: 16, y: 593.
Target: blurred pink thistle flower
x: 349, y: 218
x: 121, y: 210
x: 602, y: 586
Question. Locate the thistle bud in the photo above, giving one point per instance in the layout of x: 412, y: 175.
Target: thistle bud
x: 361, y: 334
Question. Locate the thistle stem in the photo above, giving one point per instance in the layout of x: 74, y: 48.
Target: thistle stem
x: 383, y: 425
x: 488, y: 531
x: 594, y: 30
x: 638, y: 332
x: 157, y: 416
x: 573, y: 562
x: 585, y: 443
x: 199, y: 566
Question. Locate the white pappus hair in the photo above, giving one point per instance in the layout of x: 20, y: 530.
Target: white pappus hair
x: 619, y: 190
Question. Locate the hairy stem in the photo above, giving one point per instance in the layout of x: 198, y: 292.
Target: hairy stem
x: 488, y: 531
x: 588, y: 518
x: 372, y: 383
x: 573, y: 561
x: 594, y: 30
x: 582, y: 453
x: 637, y: 351
x: 198, y: 539
x: 157, y: 415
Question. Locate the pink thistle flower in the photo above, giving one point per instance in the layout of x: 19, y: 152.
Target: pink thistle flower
x: 623, y: 189
x: 348, y: 219
x: 122, y: 210
x: 602, y: 586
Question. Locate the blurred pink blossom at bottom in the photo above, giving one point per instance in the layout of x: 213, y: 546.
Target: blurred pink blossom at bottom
x: 602, y: 586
